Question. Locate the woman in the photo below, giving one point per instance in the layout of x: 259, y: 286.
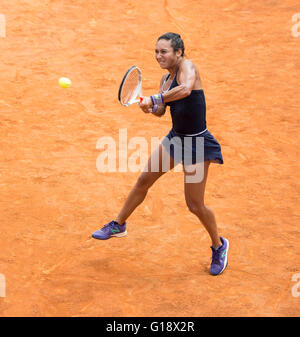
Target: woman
x: 181, y: 89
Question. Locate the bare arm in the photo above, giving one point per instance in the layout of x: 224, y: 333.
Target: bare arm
x: 162, y: 107
x: 146, y: 107
x: 186, y: 79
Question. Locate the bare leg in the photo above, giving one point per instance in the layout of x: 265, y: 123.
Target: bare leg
x: 144, y: 182
x: 194, y: 196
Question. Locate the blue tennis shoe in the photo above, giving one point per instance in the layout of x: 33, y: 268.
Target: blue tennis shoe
x: 110, y: 230
x: 219, y: 259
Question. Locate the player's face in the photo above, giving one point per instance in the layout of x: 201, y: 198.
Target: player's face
x: 165, y: 55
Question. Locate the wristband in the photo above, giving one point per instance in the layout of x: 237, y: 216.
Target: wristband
x: 154, y: 108
x: 157, y: 99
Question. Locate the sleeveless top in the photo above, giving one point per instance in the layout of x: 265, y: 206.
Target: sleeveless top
x: 189, y: 113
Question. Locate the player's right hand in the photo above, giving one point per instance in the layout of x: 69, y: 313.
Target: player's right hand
x: 146, y: 104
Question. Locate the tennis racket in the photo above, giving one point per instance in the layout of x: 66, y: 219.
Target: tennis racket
x: 130, y: 91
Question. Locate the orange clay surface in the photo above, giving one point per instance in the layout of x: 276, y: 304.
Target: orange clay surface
x: 53, y: 197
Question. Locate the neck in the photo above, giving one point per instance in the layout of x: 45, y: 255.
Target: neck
x: 173, y: 70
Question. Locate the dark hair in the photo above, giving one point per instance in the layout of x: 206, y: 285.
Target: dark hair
x: 176, y: 41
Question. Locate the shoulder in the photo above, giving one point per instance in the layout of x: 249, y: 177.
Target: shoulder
x: 187, y: 65
x: 188, y: 73
x: 186, y: 70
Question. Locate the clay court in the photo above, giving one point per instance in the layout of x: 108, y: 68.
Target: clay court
x: 53, y: 197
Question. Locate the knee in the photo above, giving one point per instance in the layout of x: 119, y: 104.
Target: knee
x: 197, y: 209
x: 142, y: 183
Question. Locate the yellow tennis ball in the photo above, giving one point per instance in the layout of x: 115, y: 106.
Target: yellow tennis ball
x: 64, y: 82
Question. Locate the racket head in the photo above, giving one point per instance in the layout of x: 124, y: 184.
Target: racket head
x: 131, y: 87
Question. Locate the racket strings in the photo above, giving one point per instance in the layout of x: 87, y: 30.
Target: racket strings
x: 130, y: 86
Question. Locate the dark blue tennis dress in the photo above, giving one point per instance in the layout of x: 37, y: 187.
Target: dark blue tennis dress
x: 188, y: 124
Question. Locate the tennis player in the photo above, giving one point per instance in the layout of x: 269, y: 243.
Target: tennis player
x: 181, y: 89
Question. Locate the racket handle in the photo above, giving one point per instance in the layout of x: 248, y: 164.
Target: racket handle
x: 137, y: 100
